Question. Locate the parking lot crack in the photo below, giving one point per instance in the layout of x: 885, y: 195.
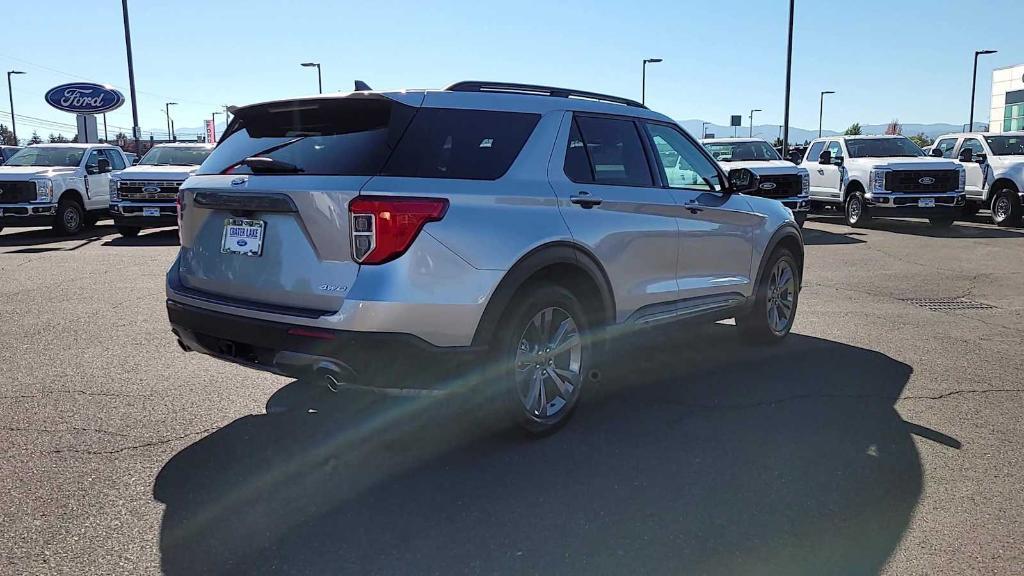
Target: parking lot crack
x: 59, y: 431
x: 138, y: 446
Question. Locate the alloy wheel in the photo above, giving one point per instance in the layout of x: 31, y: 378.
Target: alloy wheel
x: 781, y: 297
x: 548, y: 363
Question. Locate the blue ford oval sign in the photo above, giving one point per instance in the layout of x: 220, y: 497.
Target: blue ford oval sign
x: 84, y: 98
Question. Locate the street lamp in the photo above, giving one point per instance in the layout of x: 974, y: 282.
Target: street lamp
x: 213, y: 124
x: 319, y: 81
x: 167, y: 112
x: 704, y: 129
x: 821, y: 108
x: 752, y: 120
x: 643, y: 78
x: 136, y: 133
x: 974, y: 83
x: 10, y: 94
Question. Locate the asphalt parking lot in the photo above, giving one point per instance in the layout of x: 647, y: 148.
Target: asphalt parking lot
x: 882, y: 437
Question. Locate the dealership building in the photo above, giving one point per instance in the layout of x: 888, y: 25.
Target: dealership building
x: 1007, y: 99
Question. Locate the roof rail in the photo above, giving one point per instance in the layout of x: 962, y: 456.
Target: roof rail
x: 536, y: 90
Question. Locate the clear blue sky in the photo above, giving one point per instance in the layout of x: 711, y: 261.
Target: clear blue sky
x: 906, y: 59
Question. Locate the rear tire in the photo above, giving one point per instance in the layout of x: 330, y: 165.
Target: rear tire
x: 1006, y: 208
x: 544, y: 355
x: 128, y: 232
x: 775, y: 303
x: 70, y: 217
x: 943, y: 222
x: 857, y: 214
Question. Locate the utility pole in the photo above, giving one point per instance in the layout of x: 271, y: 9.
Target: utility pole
x: 131, y: 77
x: 789, y: 75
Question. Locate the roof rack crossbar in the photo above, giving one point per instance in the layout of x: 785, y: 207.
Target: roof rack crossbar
x: 537, y: 90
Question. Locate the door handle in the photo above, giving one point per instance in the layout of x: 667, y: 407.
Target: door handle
x: 821, y: 171
x: 693, y: 207
x: 585, y: 200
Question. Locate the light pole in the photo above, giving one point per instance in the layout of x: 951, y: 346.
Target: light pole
x: 10, y: 94
x: 789, y: 74
x: 136, y: 133
x: 752, y: 120
x: 643, y: 77
x: 974, y: 83
x: 319, y: 81
x: 213, y: 120
x: 703, y: 130
x: 821, y: 108
x: 167, y: 112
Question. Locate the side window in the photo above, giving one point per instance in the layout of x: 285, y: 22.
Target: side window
x: 93, y: 161
x: 973, y: 145
x: 577, y: 163
x: 116, y: 159
x: 616, y: 154
x: 814, y: 151
x: 946, y: 145
x: 683, y: 164
x: 835, y: 148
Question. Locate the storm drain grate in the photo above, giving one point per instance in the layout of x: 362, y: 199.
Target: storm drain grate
x: 948, y: 304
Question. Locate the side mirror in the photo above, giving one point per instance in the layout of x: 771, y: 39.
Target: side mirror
x: 135, y: 161
x: 103, y: 166
x: 825, y: 157
x: 966, y: 155
x: 838, y: 161
x: 981, y: 158
x: 743, y: 181
x: 936, y: 153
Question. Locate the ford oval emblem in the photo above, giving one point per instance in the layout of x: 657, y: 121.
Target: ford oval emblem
x: 767, y: 186
x: 241, y: 242
x: 151, y: 189
x: 926, y: 180
x: 239, y: 181
x: 84, y: 98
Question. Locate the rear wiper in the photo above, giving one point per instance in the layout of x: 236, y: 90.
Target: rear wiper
x: 264, y: 165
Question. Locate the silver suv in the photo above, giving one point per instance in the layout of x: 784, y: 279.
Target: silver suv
x: 488, y: 234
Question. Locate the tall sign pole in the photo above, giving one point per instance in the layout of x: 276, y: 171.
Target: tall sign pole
x: 131, y: 77
x: 789, y: 74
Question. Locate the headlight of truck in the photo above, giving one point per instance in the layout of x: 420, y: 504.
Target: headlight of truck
x: 44, y: 190
x: 878, y: 180
x: 115, y: 196
x: 963, y: 179
x: 805, y: 183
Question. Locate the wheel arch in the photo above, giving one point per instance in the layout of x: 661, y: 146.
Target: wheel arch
x: 565, y: 263
x: 787, y: 236
x: 997, y: 185
x: 73, y: 194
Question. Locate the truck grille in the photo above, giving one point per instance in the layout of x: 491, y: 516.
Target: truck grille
x: 786, y: 185
x: 136, y: 190
x: 16, y: 192
x: 910, y: 180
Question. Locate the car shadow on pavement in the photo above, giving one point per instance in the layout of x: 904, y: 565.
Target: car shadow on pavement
x: 920, y: 227
x: 156, y: 237
x: 816, y: 237
x: 693, y: 455
x: 42, y: 236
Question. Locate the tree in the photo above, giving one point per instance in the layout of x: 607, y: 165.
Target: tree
x: 35, y: 139
x: 58, y: 139
x: 921, y: 140
x: 853, y: 130
x: 7, y: 137
x: 894, y: 128
x: 777, y: 143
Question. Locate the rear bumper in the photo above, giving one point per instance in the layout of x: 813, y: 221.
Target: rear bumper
x: 17, y: 215
x: 299, y: 351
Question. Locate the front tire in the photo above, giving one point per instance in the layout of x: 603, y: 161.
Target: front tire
x: 1006, y: 208
x: 545, y: 354
x: 857, y: 210
x: 70, y: 218
x: 775, y: 302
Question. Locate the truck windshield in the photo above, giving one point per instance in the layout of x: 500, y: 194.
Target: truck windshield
x: 1006, y: 145
x: 882, y: 148
x: 176, y: 156
x: 739, y: 151
x: 33, y: 156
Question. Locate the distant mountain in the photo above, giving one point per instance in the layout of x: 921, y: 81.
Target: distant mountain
x: 798, y: 135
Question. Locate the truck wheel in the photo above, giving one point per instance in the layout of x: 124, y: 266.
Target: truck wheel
x: 857, y: 214
x: 775, y: 301
x: 941, y: 222
x: 70, y: 218
x: 128, y: 232
x: 1006, y: 208
x: 544, y: 353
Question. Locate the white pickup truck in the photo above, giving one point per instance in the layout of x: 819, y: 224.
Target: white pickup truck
x: 883, y: 176
x: 60, y: 185
x: 780, y: 179
x: 995, y: 171
x: 145, y: 195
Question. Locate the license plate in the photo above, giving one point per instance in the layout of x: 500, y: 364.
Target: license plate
x: 243, y: 237
x: 926, y: 203
x: 150, y: 211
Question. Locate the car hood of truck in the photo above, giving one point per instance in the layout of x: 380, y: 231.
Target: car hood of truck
x: 900, y: 163
x: 28, y: 172
x: 149, y: 172
x: 764, y: 166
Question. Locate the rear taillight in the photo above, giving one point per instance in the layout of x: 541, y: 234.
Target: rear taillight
x: 383, y: 227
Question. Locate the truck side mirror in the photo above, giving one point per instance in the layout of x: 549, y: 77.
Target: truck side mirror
x: 981, y: 158
x: 936, y: 153
x: 102, y: 166
x: 838, y: 161
x: 743, y: 181
x: 825, y: 157
x: 966, y: 155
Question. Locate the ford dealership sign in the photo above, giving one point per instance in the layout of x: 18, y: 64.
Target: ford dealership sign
x: 84, y: 98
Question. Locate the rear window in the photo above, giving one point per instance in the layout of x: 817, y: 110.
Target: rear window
x: 374, y: 136
x: 462, y: 144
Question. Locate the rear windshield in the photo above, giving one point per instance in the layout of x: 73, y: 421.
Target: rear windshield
x: 372, y: 136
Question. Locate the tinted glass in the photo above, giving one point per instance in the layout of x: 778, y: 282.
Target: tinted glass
x: 616, y: 153
x: 33, y: 156
x: 343, y: 136
x: 882, y: 148
x: 683, y: 163
x: 946, y: 145
x: 973, y: 145
x: 176, y: 156
x: 116, y: 159
x: 814, y: 151
x: 463, y: 144
x: 577, y: 164
x: 739, y: 151
x: 835, y: 148
x: 1006, y: 145
x: 94, y: 159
